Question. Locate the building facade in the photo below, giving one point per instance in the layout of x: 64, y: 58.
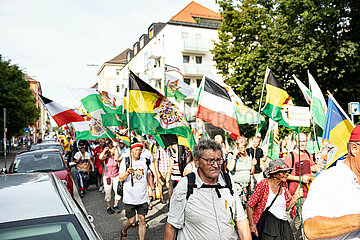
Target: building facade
x: 183, y: 42
x: 42, y: 125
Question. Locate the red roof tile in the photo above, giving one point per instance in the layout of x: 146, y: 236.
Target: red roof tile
x: 194, y: 10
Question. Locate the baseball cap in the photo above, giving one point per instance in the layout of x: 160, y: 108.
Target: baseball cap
x: 355, y: 134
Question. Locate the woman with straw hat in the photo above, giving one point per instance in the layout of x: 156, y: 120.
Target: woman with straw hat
x: 267, y: 207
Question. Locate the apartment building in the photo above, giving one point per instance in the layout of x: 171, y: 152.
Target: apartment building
x: 184, y: 42
x: 42, y: 125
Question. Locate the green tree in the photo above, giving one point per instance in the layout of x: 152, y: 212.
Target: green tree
x: 17, y: 97
x: 290, y: 37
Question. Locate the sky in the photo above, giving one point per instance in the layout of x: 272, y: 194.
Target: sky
x: 55, y: 41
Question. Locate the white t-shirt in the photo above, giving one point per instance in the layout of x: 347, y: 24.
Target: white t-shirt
x: 136, y: 194
x: 279, y: 206
x: 334, y: 193
x: 79, y: 155
x: 204, y: 215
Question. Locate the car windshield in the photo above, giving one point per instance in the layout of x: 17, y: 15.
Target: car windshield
x: 47, y: 146
x: 38, y: 162
x: 57, y: 227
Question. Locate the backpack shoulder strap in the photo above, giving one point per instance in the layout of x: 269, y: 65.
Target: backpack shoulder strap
x: 191, y: 184
x: 228, y: 183
x: 307, y: 152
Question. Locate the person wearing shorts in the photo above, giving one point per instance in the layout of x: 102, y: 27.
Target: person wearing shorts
x: 135, y: 196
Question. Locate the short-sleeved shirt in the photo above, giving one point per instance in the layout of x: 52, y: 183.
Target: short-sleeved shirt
x: 258, y: 153
x: 84, y: 161
x: 204, y: 215
x: 136, y: 194
x: 163, y: 157
x: 306, y: 161
x: 334, y: 193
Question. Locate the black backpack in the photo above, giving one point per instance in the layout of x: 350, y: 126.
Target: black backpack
x: 191, y: 184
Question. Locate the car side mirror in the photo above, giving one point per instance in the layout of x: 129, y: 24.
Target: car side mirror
x: 72, y: 164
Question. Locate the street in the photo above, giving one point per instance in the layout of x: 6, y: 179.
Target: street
x: 107, y: 225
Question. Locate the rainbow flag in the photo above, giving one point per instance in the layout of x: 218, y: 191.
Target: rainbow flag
x: 336, y: 135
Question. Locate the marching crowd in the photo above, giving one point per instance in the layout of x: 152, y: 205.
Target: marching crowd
x: 221, y: 193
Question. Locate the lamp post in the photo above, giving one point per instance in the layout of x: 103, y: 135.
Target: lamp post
x: 5, y: 136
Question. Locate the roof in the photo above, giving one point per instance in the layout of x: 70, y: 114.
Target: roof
x: 27, y: 196
x: 194, y: 10
x: 28, y: 78
x: 121, y: 58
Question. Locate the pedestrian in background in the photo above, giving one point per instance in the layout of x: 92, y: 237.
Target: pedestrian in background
x: 99, y: 164
x: 83, y: 164
x: 110, y: 157
x: 162, y: 158
x: 239, y: 166
x: 307, y: 165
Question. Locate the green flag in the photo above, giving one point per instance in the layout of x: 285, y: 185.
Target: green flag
x: 318, y: 106
x: 174, y: 85
x: 153, y: 113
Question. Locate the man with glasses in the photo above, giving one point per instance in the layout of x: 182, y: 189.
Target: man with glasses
x: 332, y: 210
x: 307, y: 165
x: 213, y: 208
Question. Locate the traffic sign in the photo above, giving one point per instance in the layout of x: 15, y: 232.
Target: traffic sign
x: 27, y: 130
x: 354, y: 108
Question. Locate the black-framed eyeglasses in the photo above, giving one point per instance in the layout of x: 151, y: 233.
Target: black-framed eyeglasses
x: 211, y: 162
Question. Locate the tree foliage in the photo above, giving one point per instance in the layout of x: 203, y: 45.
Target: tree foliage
x: 17, y: 97
x: 290, y: 37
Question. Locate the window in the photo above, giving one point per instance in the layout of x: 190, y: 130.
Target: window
x: 198, y: 82
x: 135, y: 48
x: 118, y: 72
x: 187, y: 81
x: 198, y: 36
x: 117, y: 88
x: 186, y: 59
x: 157, y: 63
x: 128, y: 56
x: 185, y: 35
x: 142, y: 41
x: 151, y: 32
x: 198, y: 59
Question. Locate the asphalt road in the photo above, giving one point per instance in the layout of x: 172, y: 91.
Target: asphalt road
x: 109, y: 225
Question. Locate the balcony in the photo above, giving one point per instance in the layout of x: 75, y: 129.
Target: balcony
x: 196, y: 69
x: 193, y: 45
x: 154, y: 51
x: 154, y: 74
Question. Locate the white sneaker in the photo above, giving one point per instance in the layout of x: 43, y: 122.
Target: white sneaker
x: 101, y: 189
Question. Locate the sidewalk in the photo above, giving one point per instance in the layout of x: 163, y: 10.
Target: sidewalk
x: 9, y: 157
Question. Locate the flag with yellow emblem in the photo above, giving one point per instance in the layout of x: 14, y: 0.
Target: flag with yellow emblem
x: 152, y: 113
